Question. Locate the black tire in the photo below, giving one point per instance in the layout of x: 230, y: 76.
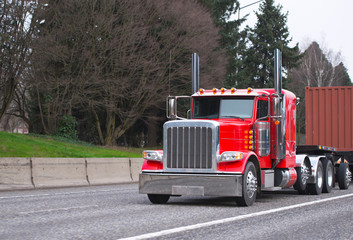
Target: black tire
x: 250, y: 186
x: 342, y: 178
x: 316, y: 188
x: 302, y: 178
x: 158, y: 198
x: 328, y: 176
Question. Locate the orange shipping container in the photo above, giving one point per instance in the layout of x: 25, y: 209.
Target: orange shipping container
x: 329, y: 117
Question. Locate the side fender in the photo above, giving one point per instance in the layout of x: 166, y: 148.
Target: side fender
x: 300, y: 159
x: 314, y: 161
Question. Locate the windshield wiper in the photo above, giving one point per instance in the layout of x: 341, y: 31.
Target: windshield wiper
x: 233, y: 117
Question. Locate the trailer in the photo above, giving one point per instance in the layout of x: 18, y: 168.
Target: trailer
x: 237, y: 143
x: 329, y: 122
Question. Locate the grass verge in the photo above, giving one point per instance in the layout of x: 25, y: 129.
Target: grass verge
x: 19, y: 145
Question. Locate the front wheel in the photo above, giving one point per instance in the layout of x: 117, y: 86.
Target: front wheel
x: 249, y: 186
x: 158, y: 198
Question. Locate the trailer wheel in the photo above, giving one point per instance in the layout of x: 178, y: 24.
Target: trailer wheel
x: 328, y: 176
x: 249, y: 186
x: 303, y: 173
x: 158, y: 198
x: 316, y: 188
x: 344, y: 176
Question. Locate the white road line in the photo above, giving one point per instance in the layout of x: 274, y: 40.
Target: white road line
x: 57, y: 209
x: 65, y: 193
x: 231, y: 219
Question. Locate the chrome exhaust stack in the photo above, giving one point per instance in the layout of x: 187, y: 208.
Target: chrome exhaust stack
x: 195, y: 73
x: 279, y: 111
x: 278, y: 72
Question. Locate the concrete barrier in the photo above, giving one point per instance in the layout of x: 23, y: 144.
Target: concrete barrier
x: 108, y: 170
x: 59, y: 172
x: 15, y: 173
x: 136, y: 166
x: 26, y: 173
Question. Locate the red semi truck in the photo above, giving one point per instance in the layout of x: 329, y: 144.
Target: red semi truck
x: 236, y: 143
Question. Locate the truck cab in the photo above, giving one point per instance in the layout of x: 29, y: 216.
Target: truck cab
x: 231, y: 135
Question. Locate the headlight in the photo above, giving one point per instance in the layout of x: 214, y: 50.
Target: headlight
x: 231, y: 156
x: 152, y: 155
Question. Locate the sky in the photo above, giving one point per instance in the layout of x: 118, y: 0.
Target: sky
x: 327, y: 22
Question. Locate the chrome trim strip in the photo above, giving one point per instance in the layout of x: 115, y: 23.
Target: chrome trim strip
x: 191, y: 184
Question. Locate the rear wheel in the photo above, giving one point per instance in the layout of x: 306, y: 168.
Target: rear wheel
x: 344, y: 176
x: 303, y: 173
x: 328, y: 176
x: 158, y: 198
x: 249, y: 186
x: 316, y: 188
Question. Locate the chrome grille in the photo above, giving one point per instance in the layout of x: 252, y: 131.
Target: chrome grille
x: 190, y: 145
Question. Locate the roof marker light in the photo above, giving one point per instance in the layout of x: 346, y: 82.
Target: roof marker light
x: 232, y: 90
x: 201, y: 91
x: 214, y: 90
x: 223, y: 90
x: 249, y: 90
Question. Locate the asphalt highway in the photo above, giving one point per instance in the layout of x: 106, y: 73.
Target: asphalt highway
x: 119, y: 211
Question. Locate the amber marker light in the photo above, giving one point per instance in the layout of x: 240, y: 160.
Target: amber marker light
x: 214, y: 90
x: 249, y: 90
x: 276, y: 122
x: 223, y: 90
x: 232, y: 90
x: 201, y: 91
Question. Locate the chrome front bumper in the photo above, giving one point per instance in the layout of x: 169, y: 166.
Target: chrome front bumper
x: 191, y: 184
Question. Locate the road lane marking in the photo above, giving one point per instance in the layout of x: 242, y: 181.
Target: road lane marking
x: 57, y: 209
x: 231, y: 219
x: 65, y: 193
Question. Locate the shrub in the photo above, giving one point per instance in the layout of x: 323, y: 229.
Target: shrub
x: 67, y: 128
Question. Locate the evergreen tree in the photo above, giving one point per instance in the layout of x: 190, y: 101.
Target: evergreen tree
x: 233, y: 41
x: 341, y: 73
x: 269, y: 33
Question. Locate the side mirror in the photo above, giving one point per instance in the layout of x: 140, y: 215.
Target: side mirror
x: 178, y: 107
x: 171, y: 108
x: 297, y: 101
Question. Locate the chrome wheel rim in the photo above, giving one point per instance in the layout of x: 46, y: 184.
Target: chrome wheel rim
x: 348, y: 176
x: 319, y: 177
x: 251, y: 184
x: 305, y: 173
x: 330, y: 175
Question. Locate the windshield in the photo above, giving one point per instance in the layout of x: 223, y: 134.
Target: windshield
x: 216, y: 107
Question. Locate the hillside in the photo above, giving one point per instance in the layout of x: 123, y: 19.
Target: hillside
x: 19, y: 145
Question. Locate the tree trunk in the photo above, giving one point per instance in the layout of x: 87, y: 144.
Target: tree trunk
x: 151, y: 133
